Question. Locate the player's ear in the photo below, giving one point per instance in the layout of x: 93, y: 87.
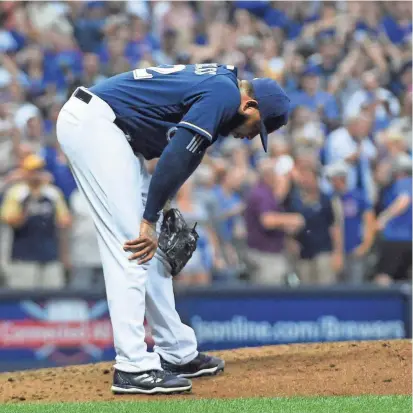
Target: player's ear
x: 250, y: 104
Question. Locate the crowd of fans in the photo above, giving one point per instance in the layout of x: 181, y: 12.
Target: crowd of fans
x: 330, y: 202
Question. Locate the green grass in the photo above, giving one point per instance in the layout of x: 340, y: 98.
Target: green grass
x: 361, y: 404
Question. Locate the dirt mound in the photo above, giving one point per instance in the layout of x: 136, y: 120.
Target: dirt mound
x: 350, y: 368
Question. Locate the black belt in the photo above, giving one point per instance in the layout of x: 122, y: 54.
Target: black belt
x: 87, y: 97
x: 83, y: 95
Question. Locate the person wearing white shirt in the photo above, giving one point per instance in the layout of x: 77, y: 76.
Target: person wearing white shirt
x: 352, y: 145
x: 380, y: 102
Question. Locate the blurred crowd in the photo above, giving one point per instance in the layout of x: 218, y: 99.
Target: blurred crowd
x: 331, y: 201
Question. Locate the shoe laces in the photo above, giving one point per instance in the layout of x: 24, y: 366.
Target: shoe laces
x: 157, y: 374
x: 203, y: 357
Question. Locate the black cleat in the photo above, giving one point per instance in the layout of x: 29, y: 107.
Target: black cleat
x: 149, y: 382
x: 201, y: 365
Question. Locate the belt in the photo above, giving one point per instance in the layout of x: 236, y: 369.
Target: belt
x: 87, y: 97
x: 83, y: 95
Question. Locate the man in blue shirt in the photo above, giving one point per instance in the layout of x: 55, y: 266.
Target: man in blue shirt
x: 173, y: 113
x: 395, y: 224
x: 357, y: 221
x: 316, y: 99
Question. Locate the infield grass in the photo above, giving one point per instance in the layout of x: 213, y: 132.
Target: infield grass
x: 361, y: 404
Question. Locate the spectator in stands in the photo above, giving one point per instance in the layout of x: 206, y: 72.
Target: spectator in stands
x: 199, y: 268
x: 312, y: 96
x: 86, y: 268
x: 89, y: 24
x: 327, y: 59
x: 21, y: 107
x: 56, y: 164
x: 380, y: 103
x: 204, y: 186
x: 292, y: 76
x: 169, y: 49
x: 310, y: 136
x: 403, y: 124
x: 351, y: 144
x: 112, y: 55
x: 38, y: 214
x: 393, y: 143
x: 395, y: 223
x: 237, y: 154
x: 346, y: 65
x: 397, y: 24
x: 283, y: 167
x: 91, y: 69
x: 41, y: 80
x: 357, y: 221
x: 267, y: 225
x: 325, y: 24
x: 300, y: 116
x: 181, y: 18
x: 34, y: 133
x: 229, y: 214
x: 9, y: 140
x: 44, y: 16
x: 319, y: 239
x: 16, y: 173
x: 273, y: 63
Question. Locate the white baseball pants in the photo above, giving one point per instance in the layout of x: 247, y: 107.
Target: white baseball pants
x: 115, y: 183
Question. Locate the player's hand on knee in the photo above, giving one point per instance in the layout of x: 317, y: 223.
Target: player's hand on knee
x: 144, y: 247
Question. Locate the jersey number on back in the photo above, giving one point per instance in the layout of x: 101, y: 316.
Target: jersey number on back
x: 201, y: 69
x: 143, y: 74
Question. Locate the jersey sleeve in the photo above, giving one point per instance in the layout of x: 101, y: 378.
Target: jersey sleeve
x: 214, y: 106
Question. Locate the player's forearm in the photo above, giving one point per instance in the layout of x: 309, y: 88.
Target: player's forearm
x: 174, y: 167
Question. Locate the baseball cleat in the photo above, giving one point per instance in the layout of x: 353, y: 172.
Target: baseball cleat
x: 201, y: 365
x: 149, y: 382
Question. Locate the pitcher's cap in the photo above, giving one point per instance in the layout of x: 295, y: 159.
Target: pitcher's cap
x: 273, y: 104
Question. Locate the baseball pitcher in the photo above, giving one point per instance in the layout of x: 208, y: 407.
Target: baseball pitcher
x: 173, y: 113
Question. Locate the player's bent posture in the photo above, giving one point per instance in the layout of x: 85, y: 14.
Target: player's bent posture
x: 174, y: 113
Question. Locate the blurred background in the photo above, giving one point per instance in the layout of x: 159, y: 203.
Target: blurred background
x: 318, y: 231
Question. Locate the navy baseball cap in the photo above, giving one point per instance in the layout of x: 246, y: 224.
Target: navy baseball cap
x: 273, y: 104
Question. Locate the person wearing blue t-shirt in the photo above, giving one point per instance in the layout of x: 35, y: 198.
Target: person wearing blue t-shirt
x: 173, y: 113
x: 395, y: 224
x: 357, y: 220
x: 57, y: 165
x: 312, y: 96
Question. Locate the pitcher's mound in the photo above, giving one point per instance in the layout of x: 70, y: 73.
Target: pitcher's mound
x: 349, y: 368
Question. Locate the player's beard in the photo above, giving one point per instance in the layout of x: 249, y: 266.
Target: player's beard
x: 232, y: 126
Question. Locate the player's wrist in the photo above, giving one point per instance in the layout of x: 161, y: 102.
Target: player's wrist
x: 148, y: 222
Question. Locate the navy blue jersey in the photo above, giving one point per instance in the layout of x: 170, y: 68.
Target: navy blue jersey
x: 151, y: 103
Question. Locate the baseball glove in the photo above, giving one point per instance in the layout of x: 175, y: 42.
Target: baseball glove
x: 177, y: 240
